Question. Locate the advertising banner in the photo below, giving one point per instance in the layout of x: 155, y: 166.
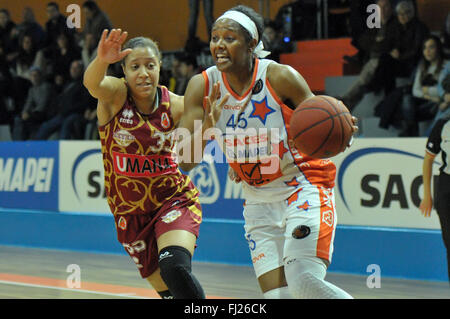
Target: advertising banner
x: 379, y: 183
x: 29, y: 175
x: 81, y: 187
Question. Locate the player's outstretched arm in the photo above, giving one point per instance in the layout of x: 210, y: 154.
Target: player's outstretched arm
x: 106, y: 89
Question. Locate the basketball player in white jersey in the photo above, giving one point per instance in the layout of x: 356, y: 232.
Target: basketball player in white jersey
x: 289, y: 211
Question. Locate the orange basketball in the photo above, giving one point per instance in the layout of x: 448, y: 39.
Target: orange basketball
x: 321, y: 127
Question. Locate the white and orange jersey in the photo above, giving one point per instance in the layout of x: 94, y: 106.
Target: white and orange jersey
x: 255, y: 135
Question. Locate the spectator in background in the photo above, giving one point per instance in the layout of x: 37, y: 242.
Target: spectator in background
x: 73, y: 101
x: 25, y: 57
x: 62, y: 57
x: 274, y: 42
x: 36, y: 106
x: 405, y: 43
x: 5, y: 87
x: 31, y: 27
x: 19, y: 67
x: 89, y: 49
x: 374, y: 43
x: 422, y: 103
x: 358, y: 26
x: 446, y: 37
x: 187, y: 68
x: 407, y: 105
x: 55, y: 25
x: 96, y: 20
x: 193, y: 43
x: 6, y: 27
x: 174, y: 72
x: 444, y: 94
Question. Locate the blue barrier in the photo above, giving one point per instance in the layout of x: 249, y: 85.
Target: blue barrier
x: 403, y: 253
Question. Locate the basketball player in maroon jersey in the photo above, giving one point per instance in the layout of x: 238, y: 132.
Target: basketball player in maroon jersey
x: 156, y: 208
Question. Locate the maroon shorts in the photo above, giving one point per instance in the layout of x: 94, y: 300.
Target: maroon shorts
x: 138, y: 233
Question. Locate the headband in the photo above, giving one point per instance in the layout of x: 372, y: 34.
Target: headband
x: 248, y: 25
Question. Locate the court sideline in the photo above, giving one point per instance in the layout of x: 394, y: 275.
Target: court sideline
x: 33, y: 273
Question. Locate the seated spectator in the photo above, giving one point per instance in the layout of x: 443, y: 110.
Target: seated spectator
x: 55, y: 25
x: 273, y: 41
x: 5, y: 88
x: 62, y: 57
x: 72, y: 102
x: 398, y: 58
x: 174, y: 72
x: 374, y: 43
x: 25, y: 58
x: 31, y: 27
x: 406, y: 41
x: 89, y: 50
x: 405, y: 105
x: 444, y: 94
x: 187, y: 68
x: 422, y: 104
x: 96, y: 20
x: 6, y: 27
x: 446, y: 37
x: 35, y: 110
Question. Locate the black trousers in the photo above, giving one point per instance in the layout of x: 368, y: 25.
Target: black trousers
x: 443, y: 210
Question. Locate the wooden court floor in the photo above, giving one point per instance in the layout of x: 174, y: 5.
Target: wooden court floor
x: 30, y: 273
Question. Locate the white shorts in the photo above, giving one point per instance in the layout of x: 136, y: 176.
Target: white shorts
x: 303, y: 225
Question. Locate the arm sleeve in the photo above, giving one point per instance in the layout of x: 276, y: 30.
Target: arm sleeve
x: 434, y: 140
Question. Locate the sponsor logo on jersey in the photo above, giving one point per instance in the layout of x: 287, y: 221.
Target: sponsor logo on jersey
x: 328, y: 218
x: 123, y: 137
x: 143, y: 165
x: 127, y: 114
x: 122, y: 223
x: 165, y: 121
x: 171, y: 216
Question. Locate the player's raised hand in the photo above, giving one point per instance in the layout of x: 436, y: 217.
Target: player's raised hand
x: 213, y: 106
x: 110, y: 46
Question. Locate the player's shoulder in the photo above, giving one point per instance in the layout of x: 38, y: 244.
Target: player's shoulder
x: 279, y: 71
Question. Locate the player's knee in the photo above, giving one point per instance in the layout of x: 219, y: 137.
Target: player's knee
x: 175, y: 268
x: 304, y: 273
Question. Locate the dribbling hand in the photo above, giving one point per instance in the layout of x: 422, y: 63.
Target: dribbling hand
x: 110, y: 46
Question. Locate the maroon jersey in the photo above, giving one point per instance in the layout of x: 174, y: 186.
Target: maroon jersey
x: 141, y: 172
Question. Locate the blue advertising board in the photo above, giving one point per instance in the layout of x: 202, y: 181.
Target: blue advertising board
x: 29, y: 175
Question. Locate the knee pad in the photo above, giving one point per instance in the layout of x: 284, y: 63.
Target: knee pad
x: 306, y: 280
x: 175, y: 268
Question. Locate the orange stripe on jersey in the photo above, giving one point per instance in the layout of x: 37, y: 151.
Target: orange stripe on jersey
x: 206, y: 92
x: 227, y: 85
x: 327, y: 224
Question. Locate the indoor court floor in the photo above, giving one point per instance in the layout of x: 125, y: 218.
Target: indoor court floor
x: 30, y: 273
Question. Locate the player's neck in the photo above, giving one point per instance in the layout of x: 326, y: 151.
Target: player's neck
x: 146, y: 105
x: 241, y: 80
